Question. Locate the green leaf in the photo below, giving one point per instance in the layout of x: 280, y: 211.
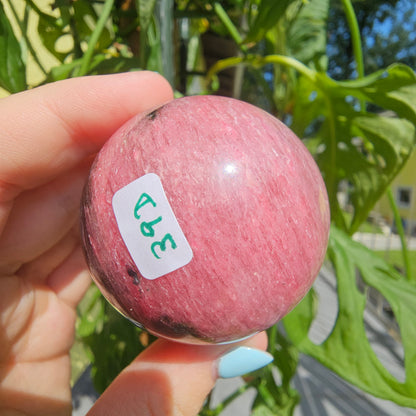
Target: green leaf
x: 12, y: 67
x: 145, y: 10
x: 80, y: 360
x: 272, y: 398
x: 347, y: 350
x: 111, y: 340
x: 91, y: 313
x: 375, y: 150
x: 100, y: 64
x: 50, y: 32
x: 308, y: 108
x: 269, y: 13
x: 275, y: 396
x: 307, y: 34
x: 362, y: 150
x: 302, y: 319
x: 262, y: 410
x: 114, y: 65
x: 153, y: 61
x: 392, y: 89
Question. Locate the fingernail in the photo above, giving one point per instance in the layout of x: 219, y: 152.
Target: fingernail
x: 242, y: 360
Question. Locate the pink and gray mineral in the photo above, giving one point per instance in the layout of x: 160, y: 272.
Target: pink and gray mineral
x: 205, y: 220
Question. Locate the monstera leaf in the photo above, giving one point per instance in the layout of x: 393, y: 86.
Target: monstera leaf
x: 82, y: 16
x: 51, y: 31
x: 363, y: 150
x: 347, y: 350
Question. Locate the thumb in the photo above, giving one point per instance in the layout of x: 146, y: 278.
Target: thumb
x: 173, y: 379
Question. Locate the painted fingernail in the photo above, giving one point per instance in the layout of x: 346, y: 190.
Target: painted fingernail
x: 242, y: 360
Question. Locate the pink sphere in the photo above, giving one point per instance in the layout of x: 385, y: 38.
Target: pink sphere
x: 205, y: 220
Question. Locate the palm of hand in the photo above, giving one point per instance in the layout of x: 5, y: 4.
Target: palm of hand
x: 47, y: 138
x: 42, y: 279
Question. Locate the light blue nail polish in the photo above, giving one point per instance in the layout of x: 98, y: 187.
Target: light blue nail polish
x: 242, y: 360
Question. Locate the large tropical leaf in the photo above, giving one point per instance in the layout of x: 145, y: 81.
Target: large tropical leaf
x: 347, y: 350
x: 354, y: 147
x: 393, y: 88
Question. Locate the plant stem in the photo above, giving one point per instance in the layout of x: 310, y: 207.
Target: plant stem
x: 290, y: 63
x: 355, y: 40
x: 256, y: 60
x: 355, y: 36
x: 231, y: 398
x: 332, y: 130
x: 400, y: 230
x: 272, y: 339
x: 86, y: 60
x: 224, y: 64
x: 227, y: 22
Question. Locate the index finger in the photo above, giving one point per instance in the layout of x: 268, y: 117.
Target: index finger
x: 168, y: 378
x: 47, y: 130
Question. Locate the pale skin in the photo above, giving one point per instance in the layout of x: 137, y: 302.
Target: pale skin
x: 48, y: 137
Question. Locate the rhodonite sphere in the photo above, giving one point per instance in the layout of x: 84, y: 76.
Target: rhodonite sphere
x: 205, y: 220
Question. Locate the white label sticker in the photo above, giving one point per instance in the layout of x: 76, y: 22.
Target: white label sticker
x: 149, y: 227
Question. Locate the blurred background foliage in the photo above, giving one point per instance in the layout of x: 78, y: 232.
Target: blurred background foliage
x: 301, y: 60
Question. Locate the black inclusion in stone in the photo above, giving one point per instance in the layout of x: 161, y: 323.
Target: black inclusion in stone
x: 152, y: 115
x: 170, y: 328
x: 131, y: 272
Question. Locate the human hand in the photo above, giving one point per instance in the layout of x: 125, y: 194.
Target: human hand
x: 47, y: 139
